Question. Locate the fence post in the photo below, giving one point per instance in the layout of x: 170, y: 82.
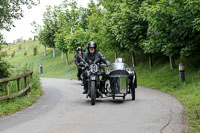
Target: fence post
x: 25, y: 82
x: 18, y: 85
x: 7, y: 89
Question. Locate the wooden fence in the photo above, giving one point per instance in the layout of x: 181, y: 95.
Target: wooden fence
x: 27, y: 85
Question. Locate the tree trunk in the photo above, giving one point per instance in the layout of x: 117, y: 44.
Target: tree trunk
x: 115, y: 55
x: 133, y: 59
x: 150, y: 61
x: 39, y: 45
x: 45, y: 51
x: 54, y: 53
x: 67, y: 61
x: 171, y: 62
x: 62, y: 56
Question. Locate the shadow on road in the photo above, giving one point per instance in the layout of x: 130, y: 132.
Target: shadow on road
x: 109, y: 101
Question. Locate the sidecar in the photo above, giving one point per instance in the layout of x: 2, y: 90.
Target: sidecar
x: 121, y: 80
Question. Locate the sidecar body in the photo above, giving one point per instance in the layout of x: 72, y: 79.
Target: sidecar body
x: 121, y: 80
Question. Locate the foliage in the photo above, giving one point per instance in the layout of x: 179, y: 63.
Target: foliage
x: 124, y: 25
x: 47, y: 34
x: 4, y: 69
x: 35, y: 49
x: 25, y: 53
x: 171, y: 28
x: 36, y: 29
x: 13, y: 54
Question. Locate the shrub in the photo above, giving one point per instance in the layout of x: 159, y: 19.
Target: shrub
x: 20, y: 46
x: 25, y: 53
x: 4, y: 67
x: 13, y: 54
x: 35, y: 51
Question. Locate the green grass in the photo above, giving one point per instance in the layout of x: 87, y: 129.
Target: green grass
x: 19, y: 103
x: 52, y: 67
x: 161, y: 77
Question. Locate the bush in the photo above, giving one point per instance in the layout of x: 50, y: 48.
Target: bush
x: 20, y: 46
x: 4, y: 69
x: 35, y: 51
x: 25, y: 53
x: 13, y: 54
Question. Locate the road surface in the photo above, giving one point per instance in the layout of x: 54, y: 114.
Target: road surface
x: 64, y: 109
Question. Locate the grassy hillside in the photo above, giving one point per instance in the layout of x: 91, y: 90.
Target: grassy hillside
x: 56, y: 67
x: 160, y: 77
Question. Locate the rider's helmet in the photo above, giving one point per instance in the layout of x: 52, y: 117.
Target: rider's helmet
x: 78, y: 49
x: 91, y: 45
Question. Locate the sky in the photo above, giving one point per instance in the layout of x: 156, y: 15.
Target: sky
x: 23, y: 26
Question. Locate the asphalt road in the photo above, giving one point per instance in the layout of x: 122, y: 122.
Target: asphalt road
x: 64, y: 109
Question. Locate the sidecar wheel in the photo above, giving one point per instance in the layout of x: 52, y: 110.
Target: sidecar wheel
x: 93, y: 93
x: 133, y: 93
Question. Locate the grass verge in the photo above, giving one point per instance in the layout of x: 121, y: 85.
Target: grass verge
x: 19, y: 103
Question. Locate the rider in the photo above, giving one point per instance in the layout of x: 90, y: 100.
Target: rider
x: 78, y: 61
x: 91, y: 56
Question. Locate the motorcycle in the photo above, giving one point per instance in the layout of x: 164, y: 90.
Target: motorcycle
x: 94, y: 74
x: 120, y: 81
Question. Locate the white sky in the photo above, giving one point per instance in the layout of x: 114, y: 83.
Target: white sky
x: 23, y: 26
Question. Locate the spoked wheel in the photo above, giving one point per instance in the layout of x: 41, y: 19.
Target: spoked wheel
x: 133, y: 93
x: 93, y: 92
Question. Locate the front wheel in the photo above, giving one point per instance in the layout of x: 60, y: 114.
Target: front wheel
x: 93, y: 92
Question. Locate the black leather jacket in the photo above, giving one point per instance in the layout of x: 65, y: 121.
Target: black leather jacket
x: 77, y: 59
x: 97, y: 56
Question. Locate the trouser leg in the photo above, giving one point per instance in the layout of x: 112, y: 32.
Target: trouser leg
x: 79, y: 73
x: 85, y: 83
x: 103, y: 80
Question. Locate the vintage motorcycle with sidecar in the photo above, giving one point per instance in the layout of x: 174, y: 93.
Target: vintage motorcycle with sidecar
x: 119, y: 80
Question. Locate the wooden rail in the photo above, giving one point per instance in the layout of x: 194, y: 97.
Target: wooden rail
x: 27, y: 86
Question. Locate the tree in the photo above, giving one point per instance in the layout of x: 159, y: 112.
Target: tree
x: 50, y: 28
x: 125, y: 28
x: 36, y: 29
x: 68, y: 18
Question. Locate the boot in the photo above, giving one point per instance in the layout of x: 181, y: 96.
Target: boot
x: 85, y: 90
